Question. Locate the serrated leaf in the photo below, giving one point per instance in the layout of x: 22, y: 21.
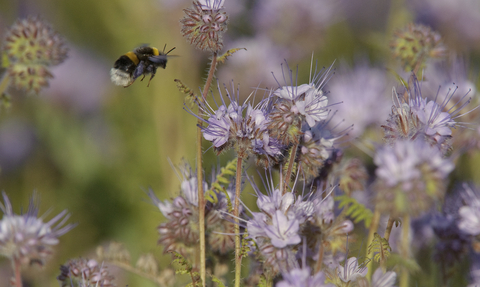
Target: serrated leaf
x: 227, y: 54
x: 218, y: 281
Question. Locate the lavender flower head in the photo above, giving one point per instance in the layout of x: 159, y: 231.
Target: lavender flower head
x: 301, y: 278
x: 410, y: 177
x: 26, y: 238
x: 297, y: 105
x: 351, y: 270
x: 418, y: 117
x: 469, y: 221
x: 243, y: 127
x: 361, y: 88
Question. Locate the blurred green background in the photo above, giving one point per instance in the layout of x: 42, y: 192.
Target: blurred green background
x: 91, y: 147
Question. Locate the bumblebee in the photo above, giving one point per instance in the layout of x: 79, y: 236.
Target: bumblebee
x: 141, y: 61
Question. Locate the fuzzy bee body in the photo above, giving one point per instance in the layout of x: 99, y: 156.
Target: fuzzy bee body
x: 141, y: 61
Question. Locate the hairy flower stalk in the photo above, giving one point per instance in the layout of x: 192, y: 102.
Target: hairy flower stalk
x: 297, y: 106
x: 26, y: 238
x: 32, y: 46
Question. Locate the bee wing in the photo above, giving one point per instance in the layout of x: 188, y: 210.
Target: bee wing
x: 160, y: 59
x: 139, y: 70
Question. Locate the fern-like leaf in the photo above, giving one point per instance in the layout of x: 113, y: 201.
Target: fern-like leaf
x: 184, y: 267
x: 190, y: 96
x: 221, y: 180
x: 357, y: 211
x: 227, y: 54
x: 380, y: 248
x: 217, y: 281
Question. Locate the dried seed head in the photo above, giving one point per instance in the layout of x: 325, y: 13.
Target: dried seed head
x: 203, y: 26
x: 31, y: 46
x: 32, y: 41
x: 415, y: 44
x: 84, y: 272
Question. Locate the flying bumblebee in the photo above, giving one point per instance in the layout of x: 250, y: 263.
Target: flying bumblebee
x: 141, y: 61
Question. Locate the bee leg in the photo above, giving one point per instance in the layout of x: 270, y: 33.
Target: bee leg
x: 153, y: 75
x: 129, y: 84
x: 143, y: 77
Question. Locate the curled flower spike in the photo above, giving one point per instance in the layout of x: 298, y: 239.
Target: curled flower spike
x: 298, y: 105
x: 315, y: 148
x: 418, y: 117
x: 410, y: 177
x: 243, y: 127
x: 32, y: 46
x: 180, y: 232
x: 204, y: 25
x: 84, y: 272
x: 26, y: 237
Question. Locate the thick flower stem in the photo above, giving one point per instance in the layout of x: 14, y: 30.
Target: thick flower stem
x: 201, y: 196
x: 318, y: 267
x: 405, y: 250
x: 371, y: 233
x: 4, y: 83
x: 236, y: 214
x: 388, y: 230
x: 17, y: 269
x: 291, y: 161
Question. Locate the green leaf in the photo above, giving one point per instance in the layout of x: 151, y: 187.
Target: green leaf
x: 227, y: 54
x: 380, y: 248
x: 357, y: 211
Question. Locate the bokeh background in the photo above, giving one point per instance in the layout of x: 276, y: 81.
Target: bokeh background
x: 93, y: 148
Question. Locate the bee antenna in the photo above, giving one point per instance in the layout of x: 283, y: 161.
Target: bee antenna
x: 164, y: 48
x: 170, y: 50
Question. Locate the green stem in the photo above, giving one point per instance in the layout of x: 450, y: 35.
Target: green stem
x: 371, y: 232
x: 405, y: 250
x: 4, y: 83
x: 236, y: 214
x: 318, y: 267
x: 201, y: 196
x: 388, y: 230
x: 291, y: 162
x: 17, y: 270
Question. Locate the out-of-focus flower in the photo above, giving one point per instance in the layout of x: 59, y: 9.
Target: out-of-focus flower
x: 361, y: 90
x: 452, y: 242
x: 351, y: 270
x: 32, y: 46
x: 418, y: 117
x: 410, y: 177
x: 84, y: 273
x: 316, y: 149
x: 301, y: 278
x: 381, y: 279
x: 456, y: 19
x: 180, y: 233
x: 289, y: 23
x: 469, y: 221
x: 204, y: 25
x: 17, y: 140
x: 26, y: 238
x: 415, y: 44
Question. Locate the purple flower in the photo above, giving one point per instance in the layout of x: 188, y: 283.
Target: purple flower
x: 469, y: 221
x: 301, y: 278
x: 351, y: 271
x: 410, y: 177
x: 381, y: 279
x: 26, y: 237
x: 283, y: 231
x: 243, y: 127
